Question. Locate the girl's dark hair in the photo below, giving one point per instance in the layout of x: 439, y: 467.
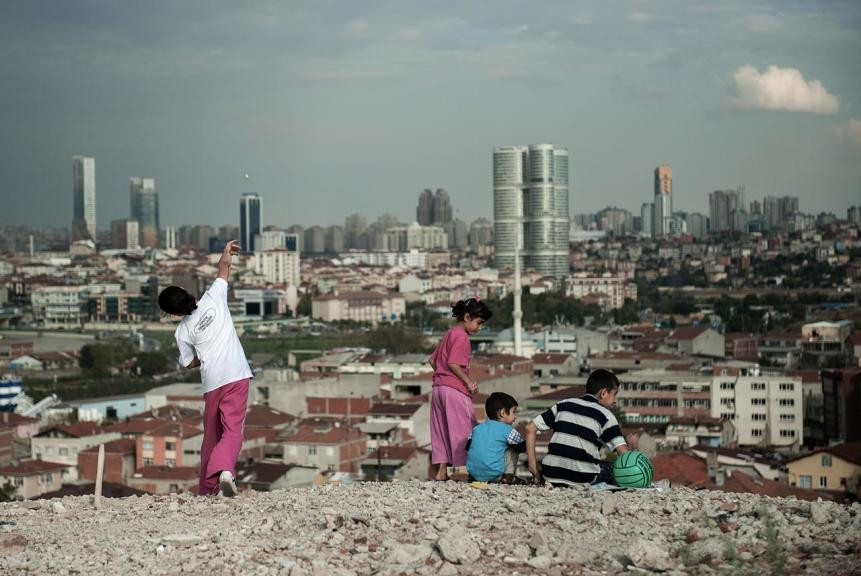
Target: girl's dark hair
x: 174, y: 300
x: 472, y: 306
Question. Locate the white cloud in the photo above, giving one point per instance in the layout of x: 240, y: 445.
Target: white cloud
x: 851, y: 132
x: 782, y: 89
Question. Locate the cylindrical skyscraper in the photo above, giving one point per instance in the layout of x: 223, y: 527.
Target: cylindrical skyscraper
x: 530, y: 189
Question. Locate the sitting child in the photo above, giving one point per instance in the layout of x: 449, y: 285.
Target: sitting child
x: 581, y: 428
x: 494, y: 446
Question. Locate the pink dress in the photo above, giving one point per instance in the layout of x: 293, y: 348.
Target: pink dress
x: 452, y: 416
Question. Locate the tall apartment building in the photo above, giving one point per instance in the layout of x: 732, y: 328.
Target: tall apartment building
x: 766, y: 409
x: 250, y: 220
x: 647, y: 217
x: 168, y: 237
x: 84, y: 198
x: 125, y: 235
x: 278, y: 266
x: 726, y: 208
x: 530, y: 207
x: 663, y: 210
x: 778, y: 209
x: 143, y: 200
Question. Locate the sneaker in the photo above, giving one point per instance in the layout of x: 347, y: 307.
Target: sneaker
x: 228, y: 486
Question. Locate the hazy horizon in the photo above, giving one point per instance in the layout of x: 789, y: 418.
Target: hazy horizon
x: 357, y: 107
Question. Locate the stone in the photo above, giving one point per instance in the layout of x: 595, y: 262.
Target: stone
x: 649, y: 554
x: 458, y: 547
x: 410, y: 554
x: 58, y: 508
x: 819, y: 514
x: 182, y: 540
x: 704, y: 551
x: 540, y: 562
x: 609, y: 503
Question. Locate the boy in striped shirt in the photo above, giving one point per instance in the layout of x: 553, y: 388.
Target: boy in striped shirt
x: 581, y: 427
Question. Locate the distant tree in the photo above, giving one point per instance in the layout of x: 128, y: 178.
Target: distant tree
x: 152, y: 363
x: 303, y: 308
x: 96, y: 360
x: 627, y: 314
x: 7, y: 492
x: 396, y: 339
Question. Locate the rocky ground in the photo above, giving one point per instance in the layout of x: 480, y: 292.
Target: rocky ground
x: 432, y: 528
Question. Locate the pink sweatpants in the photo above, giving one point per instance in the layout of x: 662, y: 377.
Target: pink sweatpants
x: 223, y: 421
x: 452, y: 419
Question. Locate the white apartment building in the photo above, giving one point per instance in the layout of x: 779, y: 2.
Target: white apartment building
x: 616, y: 288
x: 363, y: 306
x: 766, y: 409
x: 405, y: 238
x: 278, y: 266
x: 60, y: 305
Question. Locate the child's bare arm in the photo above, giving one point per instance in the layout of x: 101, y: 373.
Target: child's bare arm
x: 194, y: 363
x: 532, y: 461
x: 470, y: 384
x: 231, y: 249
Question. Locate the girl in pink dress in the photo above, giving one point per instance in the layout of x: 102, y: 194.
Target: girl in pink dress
x: 452, y: 417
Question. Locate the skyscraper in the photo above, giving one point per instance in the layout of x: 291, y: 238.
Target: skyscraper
x: 84, y: 195
x: 442, y: 212
x: 647, y: 218
x: 250, y: 220
x: 144, y: 208
x: 663, y: 211
x: 424, y: 211
x: 727, y: 210
x: 530, y: 204
x: 125, y: 235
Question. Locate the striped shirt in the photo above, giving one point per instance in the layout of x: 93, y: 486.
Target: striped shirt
x: 581, y: 427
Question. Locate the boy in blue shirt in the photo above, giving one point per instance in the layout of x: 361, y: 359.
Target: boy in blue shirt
x: 494, y: 446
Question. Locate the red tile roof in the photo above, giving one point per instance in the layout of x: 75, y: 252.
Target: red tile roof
x: 136, y: 427
x: 168, y: 412
x: 551, y: 358
x: 176, y: 429
x: 849, y: 451
x: 686, y: 469
x: 166, y: 473
x: 686, y: 333
x: 259, y: 416
x: 10, y: 419
x: 562, y: 393
x: 77, y: 430
x: 392, y: 453
x: 394, y: 409
x: 323, y: 434
x: 29, y: 467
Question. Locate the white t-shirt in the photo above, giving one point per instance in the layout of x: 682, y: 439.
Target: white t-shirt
x: 208, y: 333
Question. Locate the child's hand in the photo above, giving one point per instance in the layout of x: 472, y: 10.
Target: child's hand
x: 472, y: 387
x: 232, y: 248
x: 632, y: 439
x: 536, y: 473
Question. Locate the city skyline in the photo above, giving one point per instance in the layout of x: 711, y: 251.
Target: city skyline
x: 764, y: 95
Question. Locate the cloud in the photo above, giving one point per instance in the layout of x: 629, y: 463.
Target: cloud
x: 850, y: 132
x: 782, y: 89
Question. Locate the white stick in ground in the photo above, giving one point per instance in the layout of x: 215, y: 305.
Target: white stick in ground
x: 99, y: 469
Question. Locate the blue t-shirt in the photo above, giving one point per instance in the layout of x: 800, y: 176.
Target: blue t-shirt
x: 486, y: 457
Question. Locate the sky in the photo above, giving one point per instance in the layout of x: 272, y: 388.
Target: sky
x: 340, y: 107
